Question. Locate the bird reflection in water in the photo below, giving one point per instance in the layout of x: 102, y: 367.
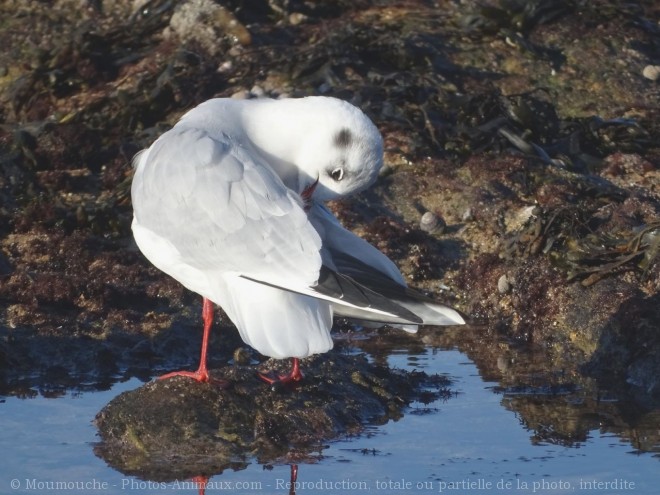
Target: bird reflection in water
x: 202, y: 481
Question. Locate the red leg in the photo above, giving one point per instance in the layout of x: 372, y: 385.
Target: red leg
x: 294, y: 478
x: 202, y: 373
x: 295, y: 375
x: 201, y: 482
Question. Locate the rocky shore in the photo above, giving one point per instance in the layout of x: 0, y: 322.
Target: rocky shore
x: 522, y: 183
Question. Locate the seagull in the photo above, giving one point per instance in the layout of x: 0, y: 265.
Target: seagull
x: 230, y: 203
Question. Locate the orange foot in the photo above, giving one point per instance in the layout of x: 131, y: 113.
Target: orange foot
x: 200, y: 376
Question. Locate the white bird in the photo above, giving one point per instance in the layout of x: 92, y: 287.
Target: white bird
x: 229, y: 203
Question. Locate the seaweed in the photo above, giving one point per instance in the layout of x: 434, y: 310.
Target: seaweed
x: 597, y: 256
x: 575, y: 241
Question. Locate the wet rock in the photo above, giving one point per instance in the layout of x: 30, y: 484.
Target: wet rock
x: 180, y: 428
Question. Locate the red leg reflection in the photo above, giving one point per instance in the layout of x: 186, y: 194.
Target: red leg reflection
x: 294, y: 478
x: 201, y: 482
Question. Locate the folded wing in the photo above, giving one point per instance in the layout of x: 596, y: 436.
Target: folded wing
x: 222, y: 210
x: 358, y: 260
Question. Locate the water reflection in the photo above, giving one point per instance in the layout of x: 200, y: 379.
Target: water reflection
x: 555, y: 404
x: 557, y: 407
x: 203, y: 483
x: 177, y: 428
x: 554, y: 421
x: 551, y: 398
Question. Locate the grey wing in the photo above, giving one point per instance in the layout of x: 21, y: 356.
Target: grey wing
x: 223, y: 210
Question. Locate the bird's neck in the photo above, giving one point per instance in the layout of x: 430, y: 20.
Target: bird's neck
x: 278, y: 129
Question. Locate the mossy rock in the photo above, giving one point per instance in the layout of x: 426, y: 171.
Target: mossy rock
x: 178, y: 428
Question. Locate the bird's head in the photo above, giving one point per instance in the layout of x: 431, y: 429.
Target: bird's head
x: 342, y: 157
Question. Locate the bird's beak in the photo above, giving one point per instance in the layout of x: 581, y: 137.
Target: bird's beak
x: 306, y: 195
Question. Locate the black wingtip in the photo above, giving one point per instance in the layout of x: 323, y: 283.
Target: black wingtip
x: 345, y: 289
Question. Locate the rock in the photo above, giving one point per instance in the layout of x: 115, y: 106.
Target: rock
x: 207, y: 23
x: 98, y: 85
x: 296, y: 18
x: 257, y: 91
x: 178, y: 428
x: 503, y: 284
x: 241, y: 94
x: 651, y: 72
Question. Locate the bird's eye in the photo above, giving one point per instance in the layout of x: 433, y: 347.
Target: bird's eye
x: 337, y: 174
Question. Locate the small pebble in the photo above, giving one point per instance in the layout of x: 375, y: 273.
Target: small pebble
x: 225, y: 66
x: 241, y: 94
x: 297, y: 18
x: 503, y: 284
x: 467, y: 216
x: 235, y: 51
x: 257, y: 91
x: 651, y: 72
x: 432, y: 223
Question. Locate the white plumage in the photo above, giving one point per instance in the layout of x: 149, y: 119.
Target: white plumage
x: 229, y: 203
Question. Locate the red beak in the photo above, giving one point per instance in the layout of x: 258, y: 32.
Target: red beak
x: 306, y: 195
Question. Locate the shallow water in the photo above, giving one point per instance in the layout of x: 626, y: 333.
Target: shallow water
x: 470, y: 443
